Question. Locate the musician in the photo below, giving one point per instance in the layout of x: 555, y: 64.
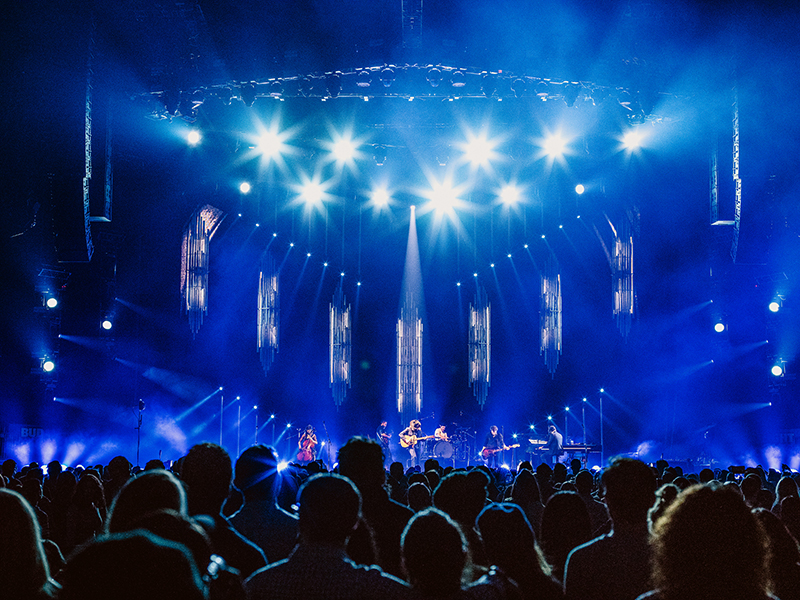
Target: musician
x: 440, y: 435
x: 494, y: 444
x: 554, y: 448
x: 383, y: 438
x: 414, y: 430
x: 307, y: 444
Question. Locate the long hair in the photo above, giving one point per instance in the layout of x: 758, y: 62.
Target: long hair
x: 24, y: 572
x: 709, y: 545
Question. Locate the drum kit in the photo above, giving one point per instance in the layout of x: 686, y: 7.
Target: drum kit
x: 456, y: 449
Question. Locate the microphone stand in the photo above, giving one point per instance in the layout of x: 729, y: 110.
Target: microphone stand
x: 139, y: 430
x: 328, y: 443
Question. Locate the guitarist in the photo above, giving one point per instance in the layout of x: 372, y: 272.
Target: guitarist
x: 493, y: 442
x: 410, y: 435
x: 383, y: 439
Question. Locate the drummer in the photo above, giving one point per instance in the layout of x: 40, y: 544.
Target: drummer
x: 440, y: 435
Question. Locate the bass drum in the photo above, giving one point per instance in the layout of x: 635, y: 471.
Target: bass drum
x: 443, y: 450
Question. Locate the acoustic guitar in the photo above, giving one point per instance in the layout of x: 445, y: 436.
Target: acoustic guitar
x: 407, y: 441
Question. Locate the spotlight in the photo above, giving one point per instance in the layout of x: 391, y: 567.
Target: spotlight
x: 358, y: 284
x: 255, y: 407
x: 777, y: 370
x: 272, y: 416
x: 491, y: 265
x: 107, y: 324
x: 509, y: 195
x: 549, y: 417
x: 379, y: 155
x: 488, y: 85
x: 341, y: 274
x: 531, y: 427
x: 579, y: 189
x: 288, y: 425
x: 380, y: 197
x: 291, y: 244
x: 325, y: 264
x: 632, y: 139
x: 478, y: 151
x: 719, y: 327
x: 193, y: 138
x: 333, y: 84
x: 363, y: 79
x: 774, y: 306
x: 584, y: 400
x: 434, y: 77
x: 52, y: 302
x: 474, y: 274
x: 274, y: 234
x: 282, y: 465
x: 48, y: 366
x: 387, y: 77
x: 312, y: 192
x: 443, y: 197
x: 518, y: 86
x: 308, y: 254
x: 508, y: 255
x: 245, y: 187
x: 458, y: 284
x: 270, y: 144
x: 566, y: 408
x: 458, y: 79
x: 343, y: 150
x: 554, y: 146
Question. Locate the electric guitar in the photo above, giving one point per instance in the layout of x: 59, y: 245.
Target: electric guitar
x: 487, y: 452
x: 407, y: 441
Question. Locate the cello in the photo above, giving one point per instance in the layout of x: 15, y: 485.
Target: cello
x: 306, y: 444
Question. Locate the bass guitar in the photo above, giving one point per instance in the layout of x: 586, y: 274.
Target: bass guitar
x: 407, y: 441
x: 487, y: 452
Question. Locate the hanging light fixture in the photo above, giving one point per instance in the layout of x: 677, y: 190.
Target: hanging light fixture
x: 480, y: 346
x: 268, y: 312
x: 194, y: 263
x: 409, y: 360
x: 624, y: 296
x: 550, y: 315
x: 340, y: 346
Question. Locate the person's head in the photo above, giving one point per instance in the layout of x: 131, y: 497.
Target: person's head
x: 396, y: 471
x: 665, y: 496
x: 32, y: 490
x: 24, y: 566
x: 415, y: 424
x: 709, y: 545
x: 131, y: 566
x: 750, y: 486
x: 384, y: 423
x: 552, y: 429
x: 361, y: 460
x: 143, y: 494
x: 525, y: 488
x: 310, y: 429
x: 786, y: 487
x: 565, y: 525
x: 442, y: 426
x: 435, y: 554
x: 584, y: 481
x: 257, y: 473
x: 153, y: 464
x: 419, y: 497
x: 509, y: 540
x: 119, y: 468
x: 493, y: 429
x: 207, y: 473
x: 784, y: 555
x: 330, y: 507
x: 630, y: 487
x: 9, y: 468
x: 177, y: 527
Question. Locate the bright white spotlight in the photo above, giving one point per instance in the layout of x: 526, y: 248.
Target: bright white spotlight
x: 48, y: 366
x: 193, y: 138
x: 443, y: 198
x: 312, y: 192
x: 282, y: 465
x: 774, y: 306
x: 52, y: 302
x: 719, y: 327
x: 380, y: 197
x: 777, y: 370
x: 270, y: 144
x: 509, y: 195
x: 245, y: 187
x: 344, y: 150
x: 107, y: 324
x: 554, y: 146
x: 579, y: 189
x: 632, y: 139
x: 478, y: 151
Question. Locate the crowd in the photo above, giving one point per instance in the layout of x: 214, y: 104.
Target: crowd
x: 207, y: 528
